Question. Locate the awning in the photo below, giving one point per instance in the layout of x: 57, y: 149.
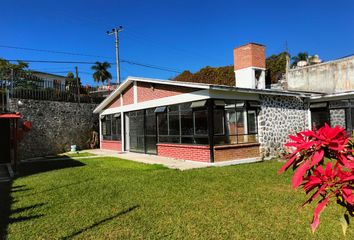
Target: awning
x: 160, y: 109
x: 117, y: 115
x: 198, y: 104
x: 254, y: 104
x: 319, y: 105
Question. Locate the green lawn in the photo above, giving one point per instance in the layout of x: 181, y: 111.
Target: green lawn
x: 107, y: 198
x: 78, y: 154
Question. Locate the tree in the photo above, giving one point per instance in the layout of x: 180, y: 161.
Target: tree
x: 301, y: 56
x: 210, y: 75
x: 70, y: 82
x: 19, y: 73
x: 101, y: 73
x: 276, y: 66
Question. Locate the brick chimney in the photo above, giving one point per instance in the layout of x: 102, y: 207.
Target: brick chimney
x: 249, y: 66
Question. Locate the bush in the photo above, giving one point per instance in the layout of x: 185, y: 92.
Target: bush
x: 324, y: 164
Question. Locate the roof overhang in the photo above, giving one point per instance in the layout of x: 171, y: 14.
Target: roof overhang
x: 130, y: 80
x: 199, y: 86
x: 333, y: 96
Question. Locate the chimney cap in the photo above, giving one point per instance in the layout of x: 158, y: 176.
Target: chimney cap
x: 252, y: 43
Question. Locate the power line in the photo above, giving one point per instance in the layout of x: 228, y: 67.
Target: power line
x: 82, y: 62
x: 52, y: 51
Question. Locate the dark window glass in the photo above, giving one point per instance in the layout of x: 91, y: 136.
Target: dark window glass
x: 219, y: 128
x: 116, y: 128
x: 187, y: 123
x: 150, y: 131
x: 162, y: 124
x: 108, y: 128
x: 252, y: 121
x: 201, y: 122
x: 173, y: 120
x: 319, y: 116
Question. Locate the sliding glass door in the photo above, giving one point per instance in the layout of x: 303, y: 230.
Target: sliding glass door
x: 142, y: 131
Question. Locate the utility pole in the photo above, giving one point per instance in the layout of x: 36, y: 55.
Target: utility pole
x: 287, y: 66
x: 77, y: 84
x: 115, y: 31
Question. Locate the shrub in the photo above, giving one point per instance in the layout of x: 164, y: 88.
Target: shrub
x: 324, y: 164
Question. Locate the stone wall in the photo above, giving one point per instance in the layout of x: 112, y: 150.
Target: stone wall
x: 55, y: 126
x: 279, y: 116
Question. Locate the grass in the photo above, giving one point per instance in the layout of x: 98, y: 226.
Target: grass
x: 109, y: 198
x: 71, y: 155
x: 78, y: 154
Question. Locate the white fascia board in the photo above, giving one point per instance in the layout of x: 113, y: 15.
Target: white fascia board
x: 129, y: 80
x: 170, y: 82
x: 111, y: 96
x: 181, y: 98
x: 334, y: 96
x: 222, y: 94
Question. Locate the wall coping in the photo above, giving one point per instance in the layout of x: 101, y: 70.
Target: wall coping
x: 111, y: 141
x: 241, y: 145
x: 183, y: 145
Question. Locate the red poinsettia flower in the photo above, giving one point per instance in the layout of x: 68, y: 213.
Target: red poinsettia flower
x: 310, y: 150
x: 331, y: 182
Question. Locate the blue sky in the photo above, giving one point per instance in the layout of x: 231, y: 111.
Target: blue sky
x: 181, y: 35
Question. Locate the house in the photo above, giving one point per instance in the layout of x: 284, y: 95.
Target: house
x: 50, y: 80
x: 213, y: 123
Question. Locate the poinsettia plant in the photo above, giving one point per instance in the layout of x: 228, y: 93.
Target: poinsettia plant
x: 323, y: 162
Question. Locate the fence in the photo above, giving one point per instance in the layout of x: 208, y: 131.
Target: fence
x: 27, y: 86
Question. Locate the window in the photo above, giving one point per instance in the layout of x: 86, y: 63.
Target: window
x: 184, y: 124
x: 111, y: 127
x: 219, y: 125
x: 236, y: 122
x: 201, y: 122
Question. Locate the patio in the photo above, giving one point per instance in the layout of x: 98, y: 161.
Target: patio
x: 167, y: 162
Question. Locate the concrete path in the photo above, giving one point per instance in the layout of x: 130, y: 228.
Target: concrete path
x: 168, y: 162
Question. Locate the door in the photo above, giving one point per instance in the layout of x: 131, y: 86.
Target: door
x: 150, y: 131
x: 136, y: 131
x: 126, y: 132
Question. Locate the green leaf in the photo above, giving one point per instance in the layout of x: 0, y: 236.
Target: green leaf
x: 344, y: 221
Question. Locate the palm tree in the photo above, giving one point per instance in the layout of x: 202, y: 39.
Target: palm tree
x: 101, y: 73
x: 301, y: 56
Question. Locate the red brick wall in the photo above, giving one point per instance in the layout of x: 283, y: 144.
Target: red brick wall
x: 147, y: 91
x: 234, y: 152
x: 249, y: 55
x: 128, y: 95
x: 184, y: 152
x: 111, y: 145
x: 115, y: 103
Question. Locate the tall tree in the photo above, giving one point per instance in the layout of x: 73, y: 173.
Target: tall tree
x: 276, y: 65
x: 101, y: 73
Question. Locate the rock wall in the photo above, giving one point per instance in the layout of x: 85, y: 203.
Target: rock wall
x: 279, y: 116
x: 55, y: 126
x: 337, y: 117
